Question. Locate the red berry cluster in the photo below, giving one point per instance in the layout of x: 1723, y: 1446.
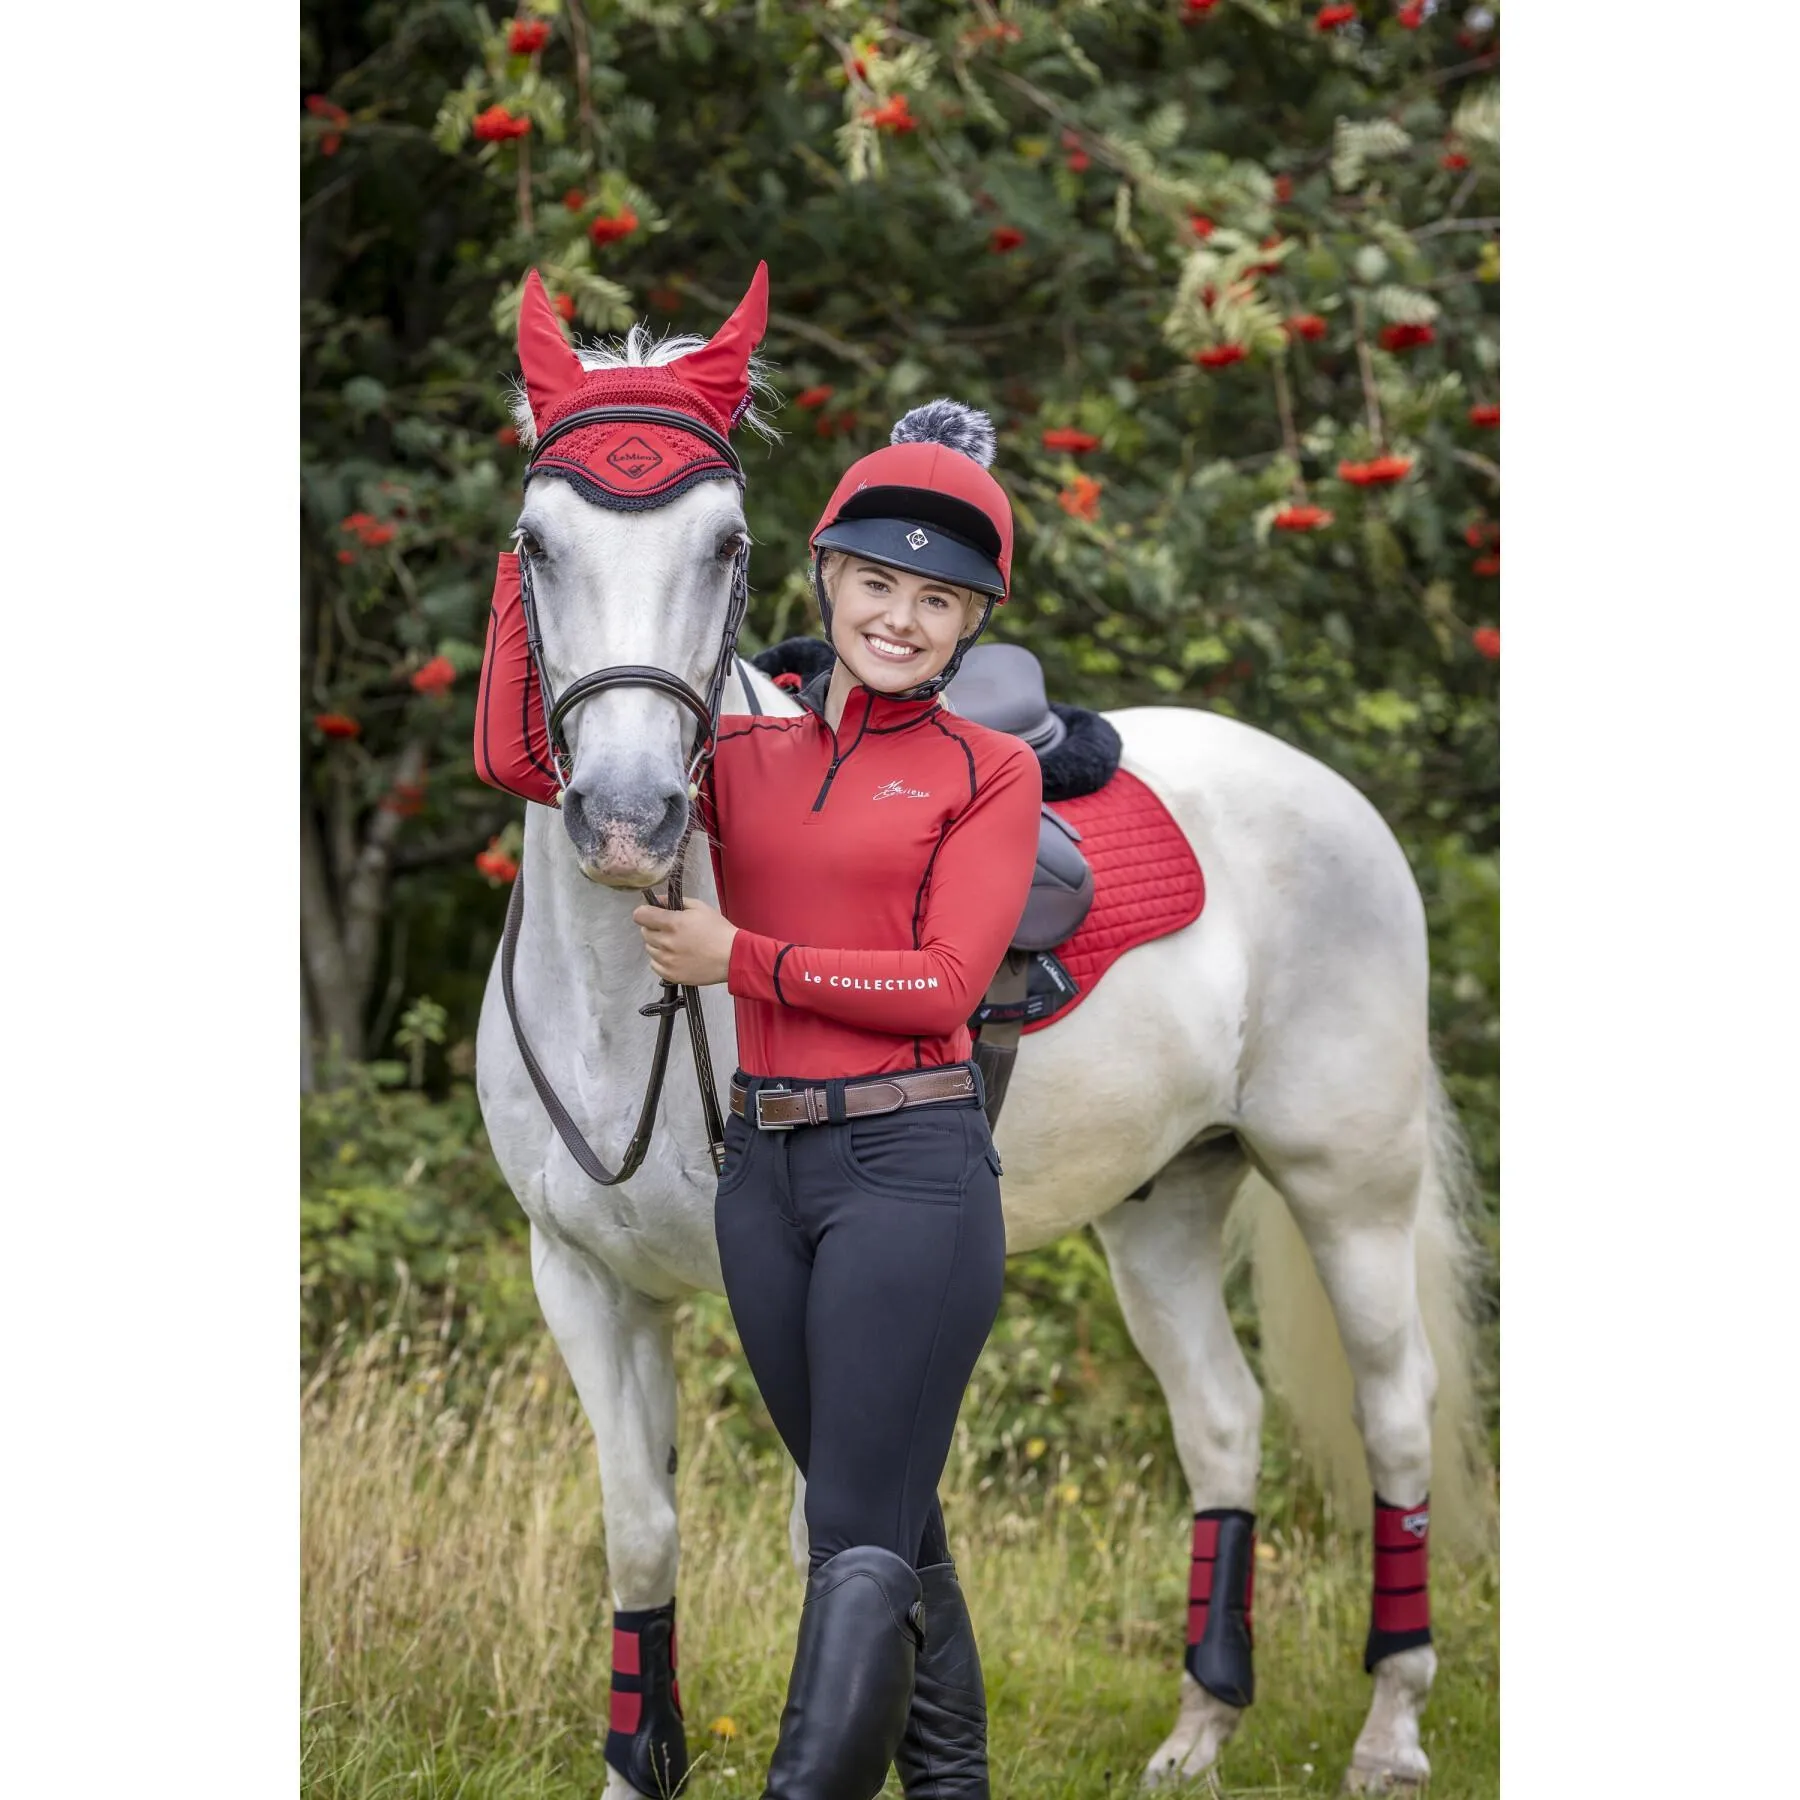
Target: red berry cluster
x: 370, y: 532
x: 892, y: 115
x: 435, y: 677
x: 496, y: 125
x: 610, y: 227
x: 1081, y: 498
x: 334, y: 116
x: 495, y: 864
x: 1379, y: 471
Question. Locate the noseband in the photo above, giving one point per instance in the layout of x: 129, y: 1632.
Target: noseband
x: 706, y: 714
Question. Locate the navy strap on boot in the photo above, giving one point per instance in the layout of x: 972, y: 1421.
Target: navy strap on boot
x: 860, y: 1632
x: 943, y: 1754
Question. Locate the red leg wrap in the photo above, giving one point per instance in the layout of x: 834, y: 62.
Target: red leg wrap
x: 1400, y: 1610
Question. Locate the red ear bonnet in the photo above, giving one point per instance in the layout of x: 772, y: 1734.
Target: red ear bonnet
x: 552, y: 370
x: 720, y: 374
x: 623, y: 463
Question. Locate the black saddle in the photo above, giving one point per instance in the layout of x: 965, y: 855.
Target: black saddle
x: 1001, y: 686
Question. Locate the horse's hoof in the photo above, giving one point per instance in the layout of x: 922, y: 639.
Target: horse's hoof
x: 1362, y: 1778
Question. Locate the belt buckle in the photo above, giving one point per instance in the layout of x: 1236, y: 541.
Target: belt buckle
x: 763, y: 1124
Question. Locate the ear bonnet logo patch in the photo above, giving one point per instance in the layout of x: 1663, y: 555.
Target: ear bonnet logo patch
x: 634, y: 459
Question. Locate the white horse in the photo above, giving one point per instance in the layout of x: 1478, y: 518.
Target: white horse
x: 1280, y: 1039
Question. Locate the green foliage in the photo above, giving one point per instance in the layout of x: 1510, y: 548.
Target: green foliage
x: 403, y: 1215
x: 737, y: 130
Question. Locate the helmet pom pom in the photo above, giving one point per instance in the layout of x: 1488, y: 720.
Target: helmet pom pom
x: 950, y: 423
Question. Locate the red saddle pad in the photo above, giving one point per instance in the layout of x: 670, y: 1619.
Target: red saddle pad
x: 1147, y: 880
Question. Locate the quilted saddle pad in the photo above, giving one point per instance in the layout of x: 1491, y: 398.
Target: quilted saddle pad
x: 1147, y: 881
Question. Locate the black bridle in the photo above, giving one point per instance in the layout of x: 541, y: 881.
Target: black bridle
x: 705, y: 709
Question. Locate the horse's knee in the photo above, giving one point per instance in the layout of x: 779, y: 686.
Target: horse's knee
x: 1219, y: 1442
x: 643, y: 1549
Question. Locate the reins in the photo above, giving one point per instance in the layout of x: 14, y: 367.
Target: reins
x: 676, y: 998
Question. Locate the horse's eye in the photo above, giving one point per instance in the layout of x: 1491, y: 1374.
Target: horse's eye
x: 527, y: 544
x: 732, y: 547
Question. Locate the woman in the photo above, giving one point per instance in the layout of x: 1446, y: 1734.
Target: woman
x: 873, y: 857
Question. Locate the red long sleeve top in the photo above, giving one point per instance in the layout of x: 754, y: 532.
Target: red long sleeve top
x: 876, y: 875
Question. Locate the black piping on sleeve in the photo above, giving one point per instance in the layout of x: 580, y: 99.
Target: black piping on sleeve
x: 775, y: 973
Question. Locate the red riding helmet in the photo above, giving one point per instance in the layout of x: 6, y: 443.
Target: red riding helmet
x: 926, y: 502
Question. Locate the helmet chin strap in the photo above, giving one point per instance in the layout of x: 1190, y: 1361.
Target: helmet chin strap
x: 925, y: 689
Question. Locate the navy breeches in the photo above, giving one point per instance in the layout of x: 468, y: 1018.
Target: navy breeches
x: 863, y: 1263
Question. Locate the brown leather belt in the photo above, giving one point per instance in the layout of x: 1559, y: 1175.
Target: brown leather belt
x: 780, y: 1109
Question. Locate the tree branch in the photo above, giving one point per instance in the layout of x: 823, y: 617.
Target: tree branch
x: 1366, y: 364
x: 456, y: 847
x: 1438, y: 227
x: 584, y: 99
x: 365, y: 887
x: 526, y: 223
x: 800, y: 328
x: 336, y: 1012
x: 1284, y: 404
x: 1481, y: 464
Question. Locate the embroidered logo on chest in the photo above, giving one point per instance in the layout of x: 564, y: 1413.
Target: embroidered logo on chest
x: 897, y: 790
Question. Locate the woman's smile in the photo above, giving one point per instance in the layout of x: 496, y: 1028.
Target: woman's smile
x: 890, y: 647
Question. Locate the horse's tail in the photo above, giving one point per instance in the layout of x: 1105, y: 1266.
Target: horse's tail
x: 1303, y: 1360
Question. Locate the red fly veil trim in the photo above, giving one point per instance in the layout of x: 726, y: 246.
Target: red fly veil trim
x: 1400, y: 1610
x: 512, y: 748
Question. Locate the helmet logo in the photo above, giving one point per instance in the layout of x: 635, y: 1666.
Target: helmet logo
x: 917, y: 538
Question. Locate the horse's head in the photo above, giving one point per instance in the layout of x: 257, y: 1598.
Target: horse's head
x: 633, y: 543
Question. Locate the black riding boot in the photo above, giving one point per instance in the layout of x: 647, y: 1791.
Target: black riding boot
x: 860, y: 1631
x: 943, y: 1755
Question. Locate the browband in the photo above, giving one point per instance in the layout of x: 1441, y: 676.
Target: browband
x: 665, y: 416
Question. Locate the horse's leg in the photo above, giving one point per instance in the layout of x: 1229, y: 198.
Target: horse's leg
x: 799, y: 1543
x: 617, y: 1345
x: 1355, y: 1207
x: 1167, y: 1261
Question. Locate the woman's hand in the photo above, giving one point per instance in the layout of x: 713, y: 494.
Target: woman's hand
x: 691, y: 947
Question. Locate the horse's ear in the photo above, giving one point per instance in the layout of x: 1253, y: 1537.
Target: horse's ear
x: 551, y: 368
x: 720, y: 373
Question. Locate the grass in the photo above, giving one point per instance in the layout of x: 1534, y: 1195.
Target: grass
x: 456, y: 1617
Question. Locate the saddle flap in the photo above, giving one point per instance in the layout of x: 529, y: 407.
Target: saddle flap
x: 1062, y: 889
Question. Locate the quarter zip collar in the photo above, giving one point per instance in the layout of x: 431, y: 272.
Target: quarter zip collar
x: 864, y: 709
